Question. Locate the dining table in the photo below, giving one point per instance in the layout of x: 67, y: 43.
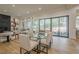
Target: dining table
x: 39, y: 36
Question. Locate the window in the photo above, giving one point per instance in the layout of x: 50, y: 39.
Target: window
x: 35, y: 25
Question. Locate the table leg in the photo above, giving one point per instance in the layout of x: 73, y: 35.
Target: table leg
x: 39, y: 47
x: 8, y: 39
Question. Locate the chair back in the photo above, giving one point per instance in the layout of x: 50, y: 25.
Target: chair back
x: 24, y: 41
x: 49, y: 37
x: 30, y: 33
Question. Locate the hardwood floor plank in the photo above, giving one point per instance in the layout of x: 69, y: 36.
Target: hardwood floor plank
x: 59, y: 46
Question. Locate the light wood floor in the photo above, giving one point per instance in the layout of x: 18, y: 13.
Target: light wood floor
x: 59, y: 46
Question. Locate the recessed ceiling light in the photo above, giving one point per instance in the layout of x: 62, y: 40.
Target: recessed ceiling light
x: 39, y: 9
x: 4, y: 10
x: 28, y: 12
x: 13, y: 5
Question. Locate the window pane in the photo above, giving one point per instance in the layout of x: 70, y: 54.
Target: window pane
x: 29, y: 24
x: 47, y: 24
x: 77, y: 23
x: 55, y: 26
x: 35, y: 25
x: 63, y: 26
x: 41, y: 24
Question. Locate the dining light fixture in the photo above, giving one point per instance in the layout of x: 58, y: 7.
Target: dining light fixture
x: 39, y: 9
x: 28, y: 12
x: 13, y: 5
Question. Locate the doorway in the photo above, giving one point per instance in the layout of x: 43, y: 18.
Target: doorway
x: 60, y: 26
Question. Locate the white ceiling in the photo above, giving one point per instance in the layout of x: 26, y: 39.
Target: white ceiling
x: 20, y: 10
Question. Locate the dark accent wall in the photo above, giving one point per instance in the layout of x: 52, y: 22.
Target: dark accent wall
x: 5, y: 22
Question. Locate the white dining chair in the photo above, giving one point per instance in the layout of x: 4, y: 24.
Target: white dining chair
x: 32, y: 35
x: 27, y: 44
x: 30, y: 32
x: 46, y: 43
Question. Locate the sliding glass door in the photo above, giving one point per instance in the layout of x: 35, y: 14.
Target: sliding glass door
x: 47, y: 24
x: 55, y: 26
x: 64, y: 26
x: 60, y: 26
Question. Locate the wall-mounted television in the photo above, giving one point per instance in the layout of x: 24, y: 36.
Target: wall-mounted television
x: 5, y: 23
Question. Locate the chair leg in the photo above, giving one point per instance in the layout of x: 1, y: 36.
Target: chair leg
x: 44, y: 48
x: 28, y: 52
x: 38, y: 49
x: 50, y: 45
x: 20, y: 50
x: 47, y: 49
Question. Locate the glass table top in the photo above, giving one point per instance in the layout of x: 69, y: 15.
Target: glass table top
x: 40, y: 35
